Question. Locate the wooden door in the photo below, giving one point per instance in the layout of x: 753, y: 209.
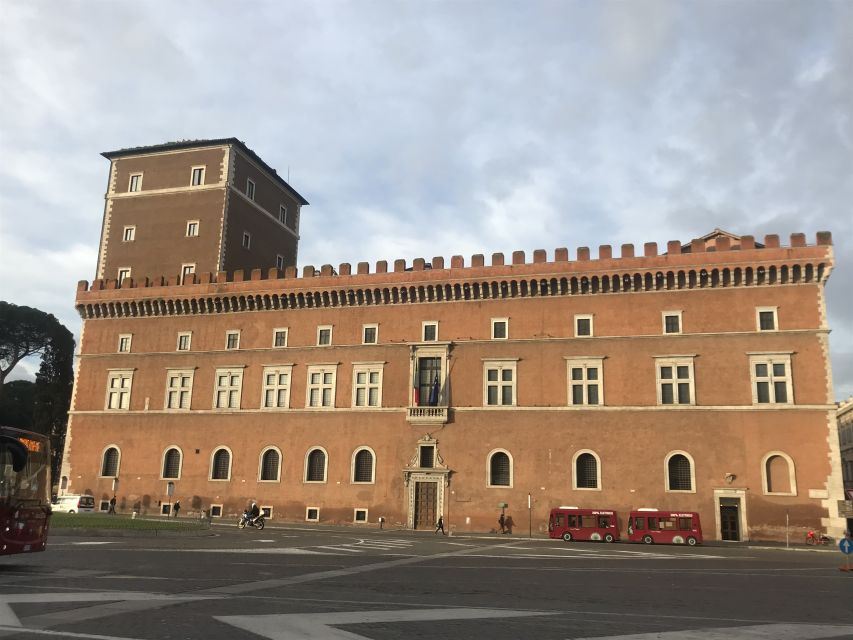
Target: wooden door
x: 425, y: 505
x: 729, y: 522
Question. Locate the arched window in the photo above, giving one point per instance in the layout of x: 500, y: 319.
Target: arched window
x: 220, y: 465
x: 777, y: 470
x: 315, y: 466
x: 362, y: 466
x: 270, y: 466
x: 109, y: 463
x: 500, y: 469
x: 679, y: 472
x: 172, y: 463
x: 587, y: 471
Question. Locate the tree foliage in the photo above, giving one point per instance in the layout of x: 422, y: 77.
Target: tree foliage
x: 25, y: 332
x: 16, y: 404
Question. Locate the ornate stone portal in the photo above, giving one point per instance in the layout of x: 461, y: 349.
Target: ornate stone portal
x: 426, y: 478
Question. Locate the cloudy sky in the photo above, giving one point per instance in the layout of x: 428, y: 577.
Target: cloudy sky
x: 418, y: 129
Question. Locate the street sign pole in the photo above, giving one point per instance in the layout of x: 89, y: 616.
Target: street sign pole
x: 529, y: 516
x: 846, y: 547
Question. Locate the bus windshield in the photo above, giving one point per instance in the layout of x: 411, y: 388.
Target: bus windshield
x: 24, y: 469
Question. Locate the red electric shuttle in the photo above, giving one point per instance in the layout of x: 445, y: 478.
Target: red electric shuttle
x: 572, y: 523
x: 652, y: 526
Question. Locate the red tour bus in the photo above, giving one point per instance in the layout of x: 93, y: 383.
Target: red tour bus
x: 24, y: 491
x: 571, y: 523
x: 652, y: 526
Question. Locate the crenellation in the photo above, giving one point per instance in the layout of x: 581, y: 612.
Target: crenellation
x: 438, y: 262
x: 824, y: 238
x: 605, y: 252
x: 747, y: 243
x: 518, y: 257
x: 457, y: 262
x: 697, y: 245
x: 273, y: 273
x: 175, y: 280
x: 561, y: 254
x: 308, y: 271
x: 497, y: 259
x: 798, y: 239
x: 673, y: 247
x: 363, y: 268
x: 478, y: 260
x: 327, y: 271
x: 771, y: 241
x: 291, y: 272
x: 82, y: 285
x: 399, y: 265
x: 583, y: 254
x: 255, y: 274
x: 723, y: 243
x: 203, y: 278
x: 345, y: 269
x: 382, y: 266
x: 539, y: 256
x: 650, y: 249
x: 627, y: 251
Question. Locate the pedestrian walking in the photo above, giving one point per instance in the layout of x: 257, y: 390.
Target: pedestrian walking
x: 439, y: 526
x: 177, y: 507
x: 112, y: 509
x: 502, y: 523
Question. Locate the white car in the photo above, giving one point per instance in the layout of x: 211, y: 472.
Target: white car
x: 74, y: 504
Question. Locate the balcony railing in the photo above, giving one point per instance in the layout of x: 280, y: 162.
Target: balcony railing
x: 427, y: 415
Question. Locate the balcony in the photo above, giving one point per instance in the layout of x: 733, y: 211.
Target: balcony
x: 427, y: 415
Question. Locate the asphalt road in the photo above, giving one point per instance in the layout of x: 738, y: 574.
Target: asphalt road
x: 335, y: 583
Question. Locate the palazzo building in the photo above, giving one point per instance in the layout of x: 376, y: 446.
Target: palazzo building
x: 695, y: 378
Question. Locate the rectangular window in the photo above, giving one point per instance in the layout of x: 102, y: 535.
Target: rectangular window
x: 216, y: 511
x: 277, y: 387
x: 312, y: 514
x: 771, y: 379
x: 192, y: 228
x: 227, y: 389
x: 585, y: 381
x: 179, y: 388
x: 321, y: 387
x: 499, y: 382
x: 427, y: 457
x: 500, y: 328
x: 124, y: 341
x: 367, y: 385
x: 187, y: 271
x: 767, y: 318
x: 360, y: 515
x: 324, y: 336
x: 232, y: 339
x: 279, y: 337
x: 675, y: 380
x: 118, y: 389
x: 184, y: 341
x: 430, y: 331
x: 282, y: 214
x: 369, y: 333
x: 250, y: 189
x: 671, y: 322
x: 123, y: 274
x: 247, y: 240
x: 129, y: 234
x: 279, y: 261
x: 135, y: 183
x: 197, y: 178
x: 583, y: 326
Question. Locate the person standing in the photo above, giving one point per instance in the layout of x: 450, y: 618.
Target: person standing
x: 439, y: 526
x: 502, y: 522
x: 176, y: 508
x: 112, y: 509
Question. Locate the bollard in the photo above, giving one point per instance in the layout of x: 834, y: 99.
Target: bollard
x: 133, y: 516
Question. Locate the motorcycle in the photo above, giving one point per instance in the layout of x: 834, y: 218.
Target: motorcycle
x: 814, y: 538
x: 246, y: 520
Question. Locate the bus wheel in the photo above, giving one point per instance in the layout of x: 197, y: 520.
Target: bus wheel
x: 691, y: 541
x: 647, y: 540
x: 608, y: 537
x: 567, y: 536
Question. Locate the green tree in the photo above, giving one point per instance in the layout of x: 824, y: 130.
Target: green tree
x: 16, y: 404
x: 26, y: 332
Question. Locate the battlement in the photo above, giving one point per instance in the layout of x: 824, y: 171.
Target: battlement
x: 698, y: 251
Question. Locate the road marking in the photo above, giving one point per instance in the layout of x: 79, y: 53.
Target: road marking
x: 93, y: 542
x: 9, y: 619
x: 752, y: 632
x: 296, y: 551
x: 340, y: 548
x: 318, y: 625
x: 61, y: 634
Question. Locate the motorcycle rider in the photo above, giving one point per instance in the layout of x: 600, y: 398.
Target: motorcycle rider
x: 253, y: 512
